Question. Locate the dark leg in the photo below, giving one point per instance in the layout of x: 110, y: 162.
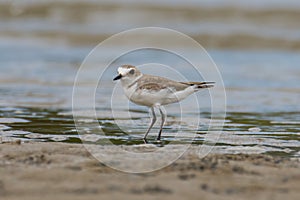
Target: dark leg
x: 163, y: 119
x: 153, y: 120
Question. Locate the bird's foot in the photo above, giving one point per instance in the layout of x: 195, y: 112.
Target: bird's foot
x: 145, y: 140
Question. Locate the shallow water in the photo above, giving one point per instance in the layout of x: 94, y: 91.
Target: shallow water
x: 272, y: 133
x: 256, y: 49
x: 262, y: 90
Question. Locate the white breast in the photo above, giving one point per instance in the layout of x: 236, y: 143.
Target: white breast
x: 150, y: 97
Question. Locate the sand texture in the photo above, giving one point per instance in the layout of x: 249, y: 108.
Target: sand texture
x: 67, y: 171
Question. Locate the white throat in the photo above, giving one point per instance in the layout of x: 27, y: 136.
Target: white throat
x: 128, y: 82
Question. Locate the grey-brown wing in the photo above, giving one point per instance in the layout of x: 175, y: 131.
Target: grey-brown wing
x: 157, y: 83
x: 151, y: 86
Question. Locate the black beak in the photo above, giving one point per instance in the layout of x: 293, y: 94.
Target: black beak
x: 118, y: 77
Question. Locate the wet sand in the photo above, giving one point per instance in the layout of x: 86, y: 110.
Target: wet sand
x: 68, y: 171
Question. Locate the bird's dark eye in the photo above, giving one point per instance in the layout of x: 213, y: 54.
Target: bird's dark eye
x: 131, y: 71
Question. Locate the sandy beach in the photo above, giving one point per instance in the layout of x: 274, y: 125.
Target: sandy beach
x: 68, y: 171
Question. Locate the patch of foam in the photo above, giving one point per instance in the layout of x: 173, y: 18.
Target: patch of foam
x: 13, y: 120
x: 91, y: 137
x: 285, y: 122
x: 254, y: 129
x: 17, y: 132
x: 3, y: 127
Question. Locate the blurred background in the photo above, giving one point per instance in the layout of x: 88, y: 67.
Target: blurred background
x: 255, y: 44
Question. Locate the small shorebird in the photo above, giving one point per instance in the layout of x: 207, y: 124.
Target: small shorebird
x: 155, y: 91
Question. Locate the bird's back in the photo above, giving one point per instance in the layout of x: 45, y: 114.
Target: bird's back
x: 156, y: 83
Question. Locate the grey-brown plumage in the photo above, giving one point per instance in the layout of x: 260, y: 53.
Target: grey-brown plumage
x: 157, y: 83
x: 155, y: 91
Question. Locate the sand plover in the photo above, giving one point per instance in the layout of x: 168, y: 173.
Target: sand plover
x: 155, y: 91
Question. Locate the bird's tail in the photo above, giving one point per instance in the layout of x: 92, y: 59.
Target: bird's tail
x: 200, y: 85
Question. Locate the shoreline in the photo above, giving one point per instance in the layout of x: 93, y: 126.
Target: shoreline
x: 67, y: 171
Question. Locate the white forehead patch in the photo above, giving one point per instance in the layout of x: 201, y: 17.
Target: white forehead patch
x: 123, y: 71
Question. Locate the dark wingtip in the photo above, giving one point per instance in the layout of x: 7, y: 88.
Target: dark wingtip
x: 206, y: 85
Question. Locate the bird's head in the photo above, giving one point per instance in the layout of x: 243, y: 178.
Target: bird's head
x: 127, y: 72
